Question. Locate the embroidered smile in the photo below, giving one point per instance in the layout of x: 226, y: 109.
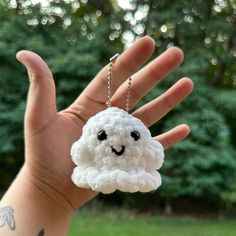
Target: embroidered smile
x: 118, y: 153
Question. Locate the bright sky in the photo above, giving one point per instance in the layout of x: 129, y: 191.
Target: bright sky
x: 37, y: 1
x: 122, y: 3
x: 44, y: 2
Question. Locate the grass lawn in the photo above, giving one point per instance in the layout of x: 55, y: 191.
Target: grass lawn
x: 123, y: 224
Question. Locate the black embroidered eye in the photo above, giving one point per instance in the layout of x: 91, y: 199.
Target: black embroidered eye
x: 102, y: 135
x: 135, y: 135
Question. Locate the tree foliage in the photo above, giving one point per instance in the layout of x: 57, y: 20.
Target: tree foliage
x: 77, y: 37
x: 204, y: 165
x: 74, y: 41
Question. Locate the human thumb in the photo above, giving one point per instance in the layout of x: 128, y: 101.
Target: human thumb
x: 41, y: 102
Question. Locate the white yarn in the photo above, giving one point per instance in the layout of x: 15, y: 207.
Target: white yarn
x: 100, y: 168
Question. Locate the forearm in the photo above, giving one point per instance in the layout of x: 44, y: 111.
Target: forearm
x: 32, y: 208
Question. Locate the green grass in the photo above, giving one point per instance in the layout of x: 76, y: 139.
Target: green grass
x: 124, y: 224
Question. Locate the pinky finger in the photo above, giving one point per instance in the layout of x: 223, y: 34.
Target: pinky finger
x: 173, y: 136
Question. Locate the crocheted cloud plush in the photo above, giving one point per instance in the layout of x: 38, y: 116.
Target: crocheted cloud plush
x: 116, y: 152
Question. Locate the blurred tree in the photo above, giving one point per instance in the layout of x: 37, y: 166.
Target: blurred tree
x: 74, y: 39
x: 77, y: 37
x: 203, y: 166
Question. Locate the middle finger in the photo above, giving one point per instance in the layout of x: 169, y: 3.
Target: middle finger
x: 148, y: 77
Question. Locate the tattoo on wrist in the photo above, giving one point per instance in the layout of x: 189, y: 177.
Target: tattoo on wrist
x: 7, y: 217
x: 41, y: 233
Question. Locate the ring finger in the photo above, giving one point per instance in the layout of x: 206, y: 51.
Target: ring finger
x: 160, y: 106
x: 148, y: 77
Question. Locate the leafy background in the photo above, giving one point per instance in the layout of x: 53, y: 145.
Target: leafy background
x: 76, y: 38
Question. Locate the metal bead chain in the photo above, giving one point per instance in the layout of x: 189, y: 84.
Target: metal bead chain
x: 128, y: 94
x: 109, y: 85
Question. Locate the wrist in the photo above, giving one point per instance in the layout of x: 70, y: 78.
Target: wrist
x: 49, y: 193
x: 36, y: 206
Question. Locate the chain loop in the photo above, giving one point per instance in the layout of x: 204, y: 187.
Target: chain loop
x: 128, y: 94
x: 109, y: 88
x: 109, y: 84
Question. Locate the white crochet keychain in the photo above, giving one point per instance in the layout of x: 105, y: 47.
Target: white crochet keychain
x: 116, y: 151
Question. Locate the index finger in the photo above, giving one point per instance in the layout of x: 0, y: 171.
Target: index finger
x: 126, y: 64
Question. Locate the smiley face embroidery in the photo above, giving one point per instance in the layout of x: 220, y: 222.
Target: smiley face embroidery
x: 116, y: 152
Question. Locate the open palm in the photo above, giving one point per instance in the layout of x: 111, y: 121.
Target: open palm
x: 49, y: 134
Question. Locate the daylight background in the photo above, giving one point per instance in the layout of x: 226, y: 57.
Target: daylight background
x: 77, y: 38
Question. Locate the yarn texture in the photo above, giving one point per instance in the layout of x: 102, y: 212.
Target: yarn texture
x: 116, y: 152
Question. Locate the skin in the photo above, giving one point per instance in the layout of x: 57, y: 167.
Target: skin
x: 49, y: 133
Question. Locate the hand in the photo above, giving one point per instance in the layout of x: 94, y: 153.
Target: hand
x: 49, y: 134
